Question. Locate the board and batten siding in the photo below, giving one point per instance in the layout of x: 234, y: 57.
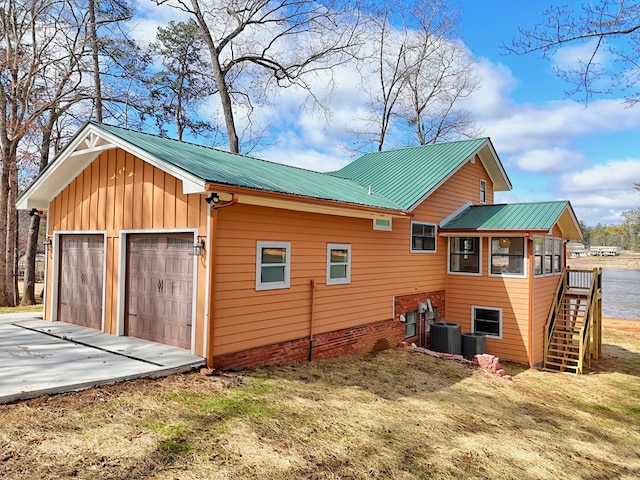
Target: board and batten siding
x: 119, y: 191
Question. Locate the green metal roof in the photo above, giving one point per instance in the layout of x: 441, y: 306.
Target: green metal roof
x: 220, y: 167
x: 407, y: 175
x: 541, y: 216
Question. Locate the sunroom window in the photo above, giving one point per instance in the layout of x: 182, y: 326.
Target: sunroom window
x: 464, y: 255
x: 507, y: 256
x: 538, y: 255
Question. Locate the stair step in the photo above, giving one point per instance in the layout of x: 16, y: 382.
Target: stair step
x: 572, y: 365
x: 554, y: 352
x: 555, y: 370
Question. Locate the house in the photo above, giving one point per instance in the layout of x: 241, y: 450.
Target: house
x: 247, y: 262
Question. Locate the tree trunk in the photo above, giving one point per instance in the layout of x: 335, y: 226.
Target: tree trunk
x: 218, y: 75
x: 95, y: 57
x: 4, y: 264
x: 29, y: 293
x: 12, y: 235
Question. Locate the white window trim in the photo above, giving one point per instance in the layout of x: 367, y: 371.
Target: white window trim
x: 469, y: 274
x: 483, y: 189
x: 473, y: 320
x: 525, y: 260
x: 533, y: 256
x: 435, y: 237
x: 384, y: 228
x: 260, y: 244
x: 338, y: 246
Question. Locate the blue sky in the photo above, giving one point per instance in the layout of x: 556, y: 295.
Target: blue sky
x: 552, y: 147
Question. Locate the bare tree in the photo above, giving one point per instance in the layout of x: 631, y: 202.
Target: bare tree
x: 439, y: 75
x: 608, y: 29
x: 421, y: 73
x: 257, y: 45
x: 41, y: 47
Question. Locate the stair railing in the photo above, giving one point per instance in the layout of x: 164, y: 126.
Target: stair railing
x: 553, y: 314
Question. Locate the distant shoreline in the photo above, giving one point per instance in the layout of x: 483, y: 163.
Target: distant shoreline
x: 626, y: 260
x: 621, y: 324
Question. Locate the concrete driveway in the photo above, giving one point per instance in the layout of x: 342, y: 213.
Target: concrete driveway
x: 40, y: 358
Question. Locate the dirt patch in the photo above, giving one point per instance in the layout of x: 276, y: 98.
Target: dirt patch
x: 397, y: 414
x: 625, y: 260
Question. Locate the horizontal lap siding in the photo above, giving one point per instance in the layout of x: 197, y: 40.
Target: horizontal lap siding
x: 544, y: 290
x: 118, y: 191
x: 381, y: 267
x: 509, y: 294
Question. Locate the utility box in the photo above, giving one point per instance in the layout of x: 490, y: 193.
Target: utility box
x: 473, y: 344
x: 446, y: 338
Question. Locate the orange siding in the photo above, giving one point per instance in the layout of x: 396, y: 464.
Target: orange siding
x: 120, y: 192
x: 509, y: 294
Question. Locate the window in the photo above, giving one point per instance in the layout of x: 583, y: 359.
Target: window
x: 507, y: 256
x: 487, y: 320
x: 464, y: 255
x: 548, y: 255
x: 423, y: 237
x: 483, y: 191
x: 338, y: 264
x: 273, y: 265
x: 382, y: 224
x: 538, y: 255
x: 410, y: 325
x: 557, y: 255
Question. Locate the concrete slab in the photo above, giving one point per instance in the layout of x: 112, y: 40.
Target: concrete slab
x: 38, y: 358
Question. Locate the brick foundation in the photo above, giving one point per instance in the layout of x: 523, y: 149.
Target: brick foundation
x: 409, y: 303
x: 364, y: 339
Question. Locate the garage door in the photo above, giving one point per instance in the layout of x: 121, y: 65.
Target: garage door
x: 80, y: 282
x: 160, y: 288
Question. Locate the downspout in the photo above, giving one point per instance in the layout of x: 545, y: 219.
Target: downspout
x: 312, y: 283
x: 212, y: 234
x: 211, y: 262
x: 531, y: 298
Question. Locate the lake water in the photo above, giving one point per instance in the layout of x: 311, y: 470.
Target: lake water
x: 621, y: 293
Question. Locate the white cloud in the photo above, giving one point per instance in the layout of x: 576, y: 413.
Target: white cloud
x: 549, y: 160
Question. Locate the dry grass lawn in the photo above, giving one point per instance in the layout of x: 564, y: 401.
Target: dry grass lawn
x: 396, y: 415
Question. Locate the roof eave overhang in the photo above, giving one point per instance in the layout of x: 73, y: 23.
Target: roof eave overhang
x: 492, y: 164
x: 84, y: 148
x: 456, y: 232
x: 265, y: 198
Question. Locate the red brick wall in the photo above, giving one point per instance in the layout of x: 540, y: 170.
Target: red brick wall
x: 409, y: 303
x: 370, y: 338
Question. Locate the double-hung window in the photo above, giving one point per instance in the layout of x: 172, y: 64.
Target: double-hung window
x: 487, y: 320
x: 464, y: 255
x: 338, y: 264
x: 483, y: 191
x: 538, y: 255
x: 557, y: 255
x: 423, y: 237
x: 507, y: 256
x: 410, y: 325
x: 548, y: 255
x: 273, y: 265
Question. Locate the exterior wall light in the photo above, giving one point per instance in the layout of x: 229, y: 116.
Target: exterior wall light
x: 213, y: 198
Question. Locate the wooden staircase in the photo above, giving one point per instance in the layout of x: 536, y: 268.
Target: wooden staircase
x: 573, y: 333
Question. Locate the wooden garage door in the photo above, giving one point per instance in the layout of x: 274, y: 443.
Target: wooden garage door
x: 80, y: 282
x: 160, y: 288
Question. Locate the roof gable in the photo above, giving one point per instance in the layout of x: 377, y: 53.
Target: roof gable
x: 527, y: 217
x: 407, y: 176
